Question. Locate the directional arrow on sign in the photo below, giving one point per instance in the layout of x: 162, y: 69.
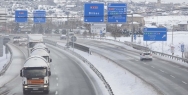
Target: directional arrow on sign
x: 164, y: 36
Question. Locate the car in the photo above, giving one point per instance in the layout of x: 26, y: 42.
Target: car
x: 63, y: 37
x: 22, y: 43
x: 145, y: 56
x: 16, y: 39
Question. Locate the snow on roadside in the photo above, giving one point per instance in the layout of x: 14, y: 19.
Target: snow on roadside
x: 179, y: 37
x: 121, y: 81
x: 3, y: 59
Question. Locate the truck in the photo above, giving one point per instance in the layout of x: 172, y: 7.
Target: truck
x: 35, y: 75
x: 41, y: 45
x: 33, y: 39
x: 41, y: 52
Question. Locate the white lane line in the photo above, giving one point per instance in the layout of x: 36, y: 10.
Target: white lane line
x: 56, y: 78
x: 145, y: 63
x: 57, y: 84
x: 54, y: 68
x: 172, y: 76
x: 56, y: 92
x: 152, y: 66
x: 184, y: 82
x: 161, y: 70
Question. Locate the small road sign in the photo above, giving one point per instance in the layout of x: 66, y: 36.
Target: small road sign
x: 182, y: 48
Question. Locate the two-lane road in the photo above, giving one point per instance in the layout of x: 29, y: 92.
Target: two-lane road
x: 68, y: 78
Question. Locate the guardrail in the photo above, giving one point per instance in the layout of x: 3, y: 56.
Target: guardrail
x: 143, y: 48
x: 5, y: 67
x: 85, y: 61
x: 80, y: 47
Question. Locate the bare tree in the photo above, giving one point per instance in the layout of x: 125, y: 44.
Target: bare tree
x: 115, y: 31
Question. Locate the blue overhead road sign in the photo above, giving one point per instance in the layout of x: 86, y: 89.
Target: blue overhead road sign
x: 39, y: 16
x: 21, y: 16
x: 93, y: 12
x: 155, y: 34
x: 117, y: 12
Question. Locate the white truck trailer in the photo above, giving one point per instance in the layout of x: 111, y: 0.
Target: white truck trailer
x: 41, y: 45
x: 41, y: 52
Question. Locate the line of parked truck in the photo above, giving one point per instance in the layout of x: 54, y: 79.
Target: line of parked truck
x: 36, y: 69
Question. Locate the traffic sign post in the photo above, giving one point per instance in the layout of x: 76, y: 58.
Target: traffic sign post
x: 21, y: 16
x: 94, y: 12
x: 135, y: 36
x: 155, y: 34
x: 172, y: 49
x: 182, y: 49
x: 39, y: 16
x: 117, y: 12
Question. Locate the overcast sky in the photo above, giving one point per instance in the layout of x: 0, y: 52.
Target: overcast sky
x: 174, y: 1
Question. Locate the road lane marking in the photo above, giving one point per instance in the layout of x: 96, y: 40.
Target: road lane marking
x: 152, y: 66
x: 56, y: 78
x: 172, y: 76
x: 184, y: 82
x: 161, y: 70
x: 56, y: 92
x: 54, y: 68
x: 145, y: 63
x: 57, y: 84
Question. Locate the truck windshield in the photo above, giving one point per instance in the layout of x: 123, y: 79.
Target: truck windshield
x: 35, y: 72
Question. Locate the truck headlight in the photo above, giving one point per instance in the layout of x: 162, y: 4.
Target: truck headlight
x: 25, y: 86
x: 45, y: 85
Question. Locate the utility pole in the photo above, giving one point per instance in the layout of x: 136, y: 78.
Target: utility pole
x: 172, y: 34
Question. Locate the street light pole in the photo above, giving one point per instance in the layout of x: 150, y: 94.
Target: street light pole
x: 172, y: 34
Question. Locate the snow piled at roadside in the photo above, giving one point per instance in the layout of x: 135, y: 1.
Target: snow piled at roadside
x: 121, y: 81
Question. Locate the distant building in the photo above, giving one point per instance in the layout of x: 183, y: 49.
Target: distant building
x: 138, y: 22
x: 183, y: 26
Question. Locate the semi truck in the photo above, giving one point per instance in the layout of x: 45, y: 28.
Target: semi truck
x: 35, y: 75
x: 33, y: 39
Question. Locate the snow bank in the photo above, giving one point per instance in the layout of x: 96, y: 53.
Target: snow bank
x: 4, y: 59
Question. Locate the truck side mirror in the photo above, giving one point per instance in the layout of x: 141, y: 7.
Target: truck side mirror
x: 48, y: 51
x: 49, y: 72
x: 21, y: 73
x: 50, y: 60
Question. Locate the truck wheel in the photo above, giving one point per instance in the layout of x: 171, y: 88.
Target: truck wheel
x: 25, y: 92
x: 46, y: 92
